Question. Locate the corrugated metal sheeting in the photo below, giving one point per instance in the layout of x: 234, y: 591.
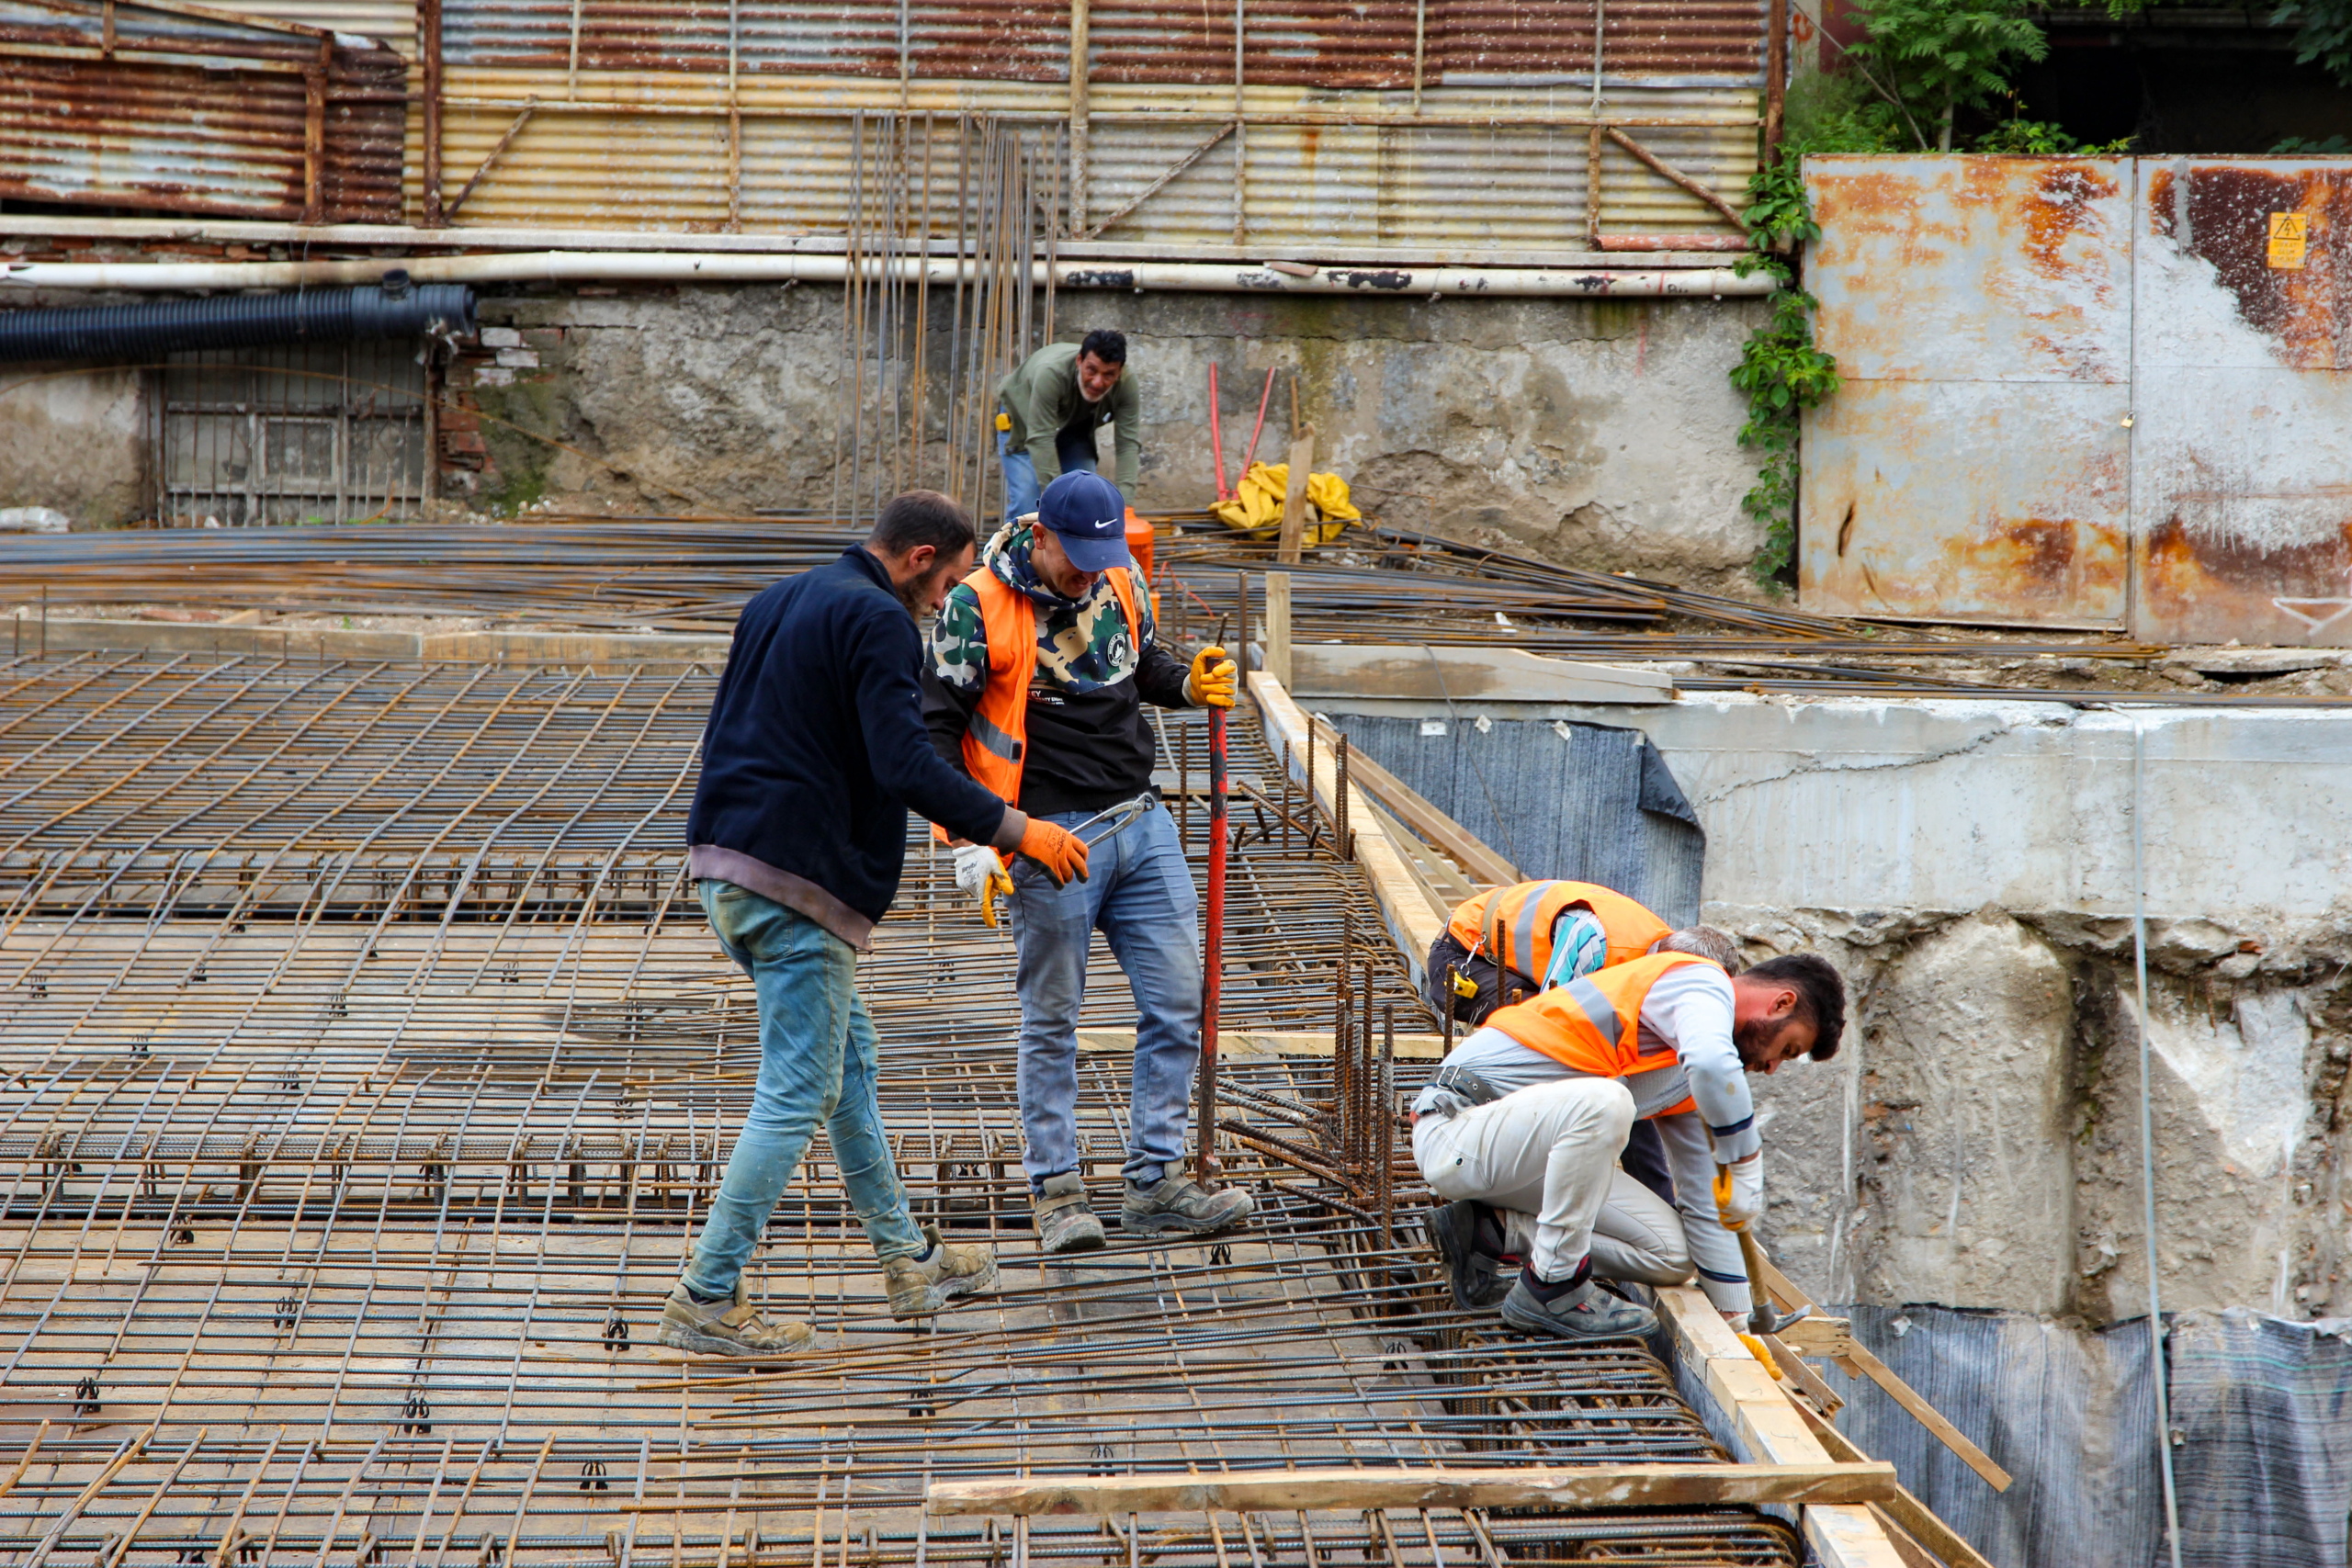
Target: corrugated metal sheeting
x: 1462, y: 123
x: 1590, y: 802
x: 1324, y: 185
x: 2101, y: 392
x: 149, y: 106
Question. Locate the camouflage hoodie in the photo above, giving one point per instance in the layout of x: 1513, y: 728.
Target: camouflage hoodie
x: 1089, y: 744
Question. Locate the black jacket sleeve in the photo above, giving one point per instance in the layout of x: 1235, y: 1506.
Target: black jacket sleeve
x: 1161, y: 676
x: 947, y: 713
x: 887, y: 657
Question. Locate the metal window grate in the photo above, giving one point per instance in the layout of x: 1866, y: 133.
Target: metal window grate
x: 298, y: 433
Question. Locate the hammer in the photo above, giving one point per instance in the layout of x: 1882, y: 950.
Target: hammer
x: 1762, y: 1316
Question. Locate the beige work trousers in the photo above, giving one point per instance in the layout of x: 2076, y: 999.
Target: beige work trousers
x: 1546, y: 1156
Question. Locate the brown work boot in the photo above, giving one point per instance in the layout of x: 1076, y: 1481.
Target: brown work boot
x: 920, y: 1286
x: 1180, y: 1204
x: 731, y: 1327
x: 1064, y: 1222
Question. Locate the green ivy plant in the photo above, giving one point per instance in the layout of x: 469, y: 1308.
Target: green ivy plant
x: 1781, y: 372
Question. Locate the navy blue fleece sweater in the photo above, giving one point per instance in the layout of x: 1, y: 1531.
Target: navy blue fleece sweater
x: 815, y: 747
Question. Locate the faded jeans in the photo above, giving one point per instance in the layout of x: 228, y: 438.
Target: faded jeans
x: 1079, y: 455
x: 1140, y: 896
x: 817, y: 1065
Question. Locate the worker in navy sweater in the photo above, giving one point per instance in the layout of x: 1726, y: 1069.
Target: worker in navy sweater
x: 815, y: 750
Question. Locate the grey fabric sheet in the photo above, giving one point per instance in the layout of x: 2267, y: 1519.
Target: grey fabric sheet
x: 2261, y: 1415
x: 1583, y: 801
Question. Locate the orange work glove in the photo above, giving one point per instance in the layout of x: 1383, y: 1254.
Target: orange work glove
x: 1211, y: 683
x: 1061, y: 852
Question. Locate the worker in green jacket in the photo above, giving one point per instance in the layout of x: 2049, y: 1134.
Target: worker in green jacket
x: 1049, y: 410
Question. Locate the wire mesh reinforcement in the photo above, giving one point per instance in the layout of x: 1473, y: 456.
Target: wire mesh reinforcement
x: 367, y: 1067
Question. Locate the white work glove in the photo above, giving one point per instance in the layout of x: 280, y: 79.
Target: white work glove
x: 979, y: 872
x: 1739, y: 1192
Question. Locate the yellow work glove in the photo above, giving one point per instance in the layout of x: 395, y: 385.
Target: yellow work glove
x: 980, y: 873
x: 1739, y: 1192
x: 1211, y: 683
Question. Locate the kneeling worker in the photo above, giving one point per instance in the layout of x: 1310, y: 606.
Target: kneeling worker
x: 1528, y: 1115
x: 1041, y: 663
x: 1509, y: 943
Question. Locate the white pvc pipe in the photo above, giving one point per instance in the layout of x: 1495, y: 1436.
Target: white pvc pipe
x: 723, y: 266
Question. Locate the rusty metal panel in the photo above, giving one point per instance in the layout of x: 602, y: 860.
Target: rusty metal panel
x: 161, y: 110
x: 2242, y: 412
x: 2006, y: 501
x: 1975, y: 464
x: 388, y: 22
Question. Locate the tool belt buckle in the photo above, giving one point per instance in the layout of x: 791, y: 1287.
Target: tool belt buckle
x: 1466, y: 1086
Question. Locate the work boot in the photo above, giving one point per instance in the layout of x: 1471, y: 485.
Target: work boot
x: 1178, y: 1203
x: 920, y: 1286
x: 728, y: 1327
x: 1064, y: 1222
x: 1478, y: 1279
x: 1583, y: 1312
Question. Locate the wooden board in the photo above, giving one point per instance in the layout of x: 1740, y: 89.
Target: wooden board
x: 1583, y: 1486
x: 1768, y: 1426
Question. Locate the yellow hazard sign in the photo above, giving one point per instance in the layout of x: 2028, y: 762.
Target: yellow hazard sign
x: 2290, y: 233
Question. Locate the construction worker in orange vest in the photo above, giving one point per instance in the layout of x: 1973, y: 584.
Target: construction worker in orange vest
x: 1525, y: 1119
x: 1041, y: 662
x: 1508, y: 944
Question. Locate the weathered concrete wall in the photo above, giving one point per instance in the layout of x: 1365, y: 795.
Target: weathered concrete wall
x: 1597, y: 433
x: 1967, y: 866
x: 77, y: 442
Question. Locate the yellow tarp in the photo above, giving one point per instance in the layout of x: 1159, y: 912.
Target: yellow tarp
x: 1256, y: 508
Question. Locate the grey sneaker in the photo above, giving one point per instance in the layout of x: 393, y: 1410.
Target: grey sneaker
x: 731, y: 1327
x: 1064, y: 1222
x: 1477, y: 1280
x: 1586, y: 1312
x: 921, y: 1287
x: 1178, y: 1203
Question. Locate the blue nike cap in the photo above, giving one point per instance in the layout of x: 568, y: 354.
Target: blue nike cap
x: 1087, y: 510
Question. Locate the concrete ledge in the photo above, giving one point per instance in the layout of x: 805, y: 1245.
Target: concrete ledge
x: 1398, y: 672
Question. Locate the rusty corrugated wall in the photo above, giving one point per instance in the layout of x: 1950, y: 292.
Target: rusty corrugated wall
x: 2096, y: 392
x: 1462, y: 125
x: 126, y: 104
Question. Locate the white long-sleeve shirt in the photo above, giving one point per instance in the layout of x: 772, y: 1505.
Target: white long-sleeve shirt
x: 1688, y: 1011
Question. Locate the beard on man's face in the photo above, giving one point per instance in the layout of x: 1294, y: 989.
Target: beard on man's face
x: 921, y: 595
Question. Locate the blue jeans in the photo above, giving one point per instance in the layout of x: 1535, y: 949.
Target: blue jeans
x: 1140, y: 896
x: 816, y: 1064
x: 1079, y: 455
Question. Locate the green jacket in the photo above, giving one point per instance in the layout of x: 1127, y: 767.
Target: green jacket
x: 1042, y: 399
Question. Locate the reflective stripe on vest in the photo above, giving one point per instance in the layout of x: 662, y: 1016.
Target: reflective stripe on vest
x: 1512, y: 926
x: 996, y: 741
x: 1593, y: 1024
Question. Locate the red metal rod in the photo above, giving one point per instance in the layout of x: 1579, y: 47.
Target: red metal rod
x: 1212, y: 958
x: 1217, y: 439
x: 1254, y: 430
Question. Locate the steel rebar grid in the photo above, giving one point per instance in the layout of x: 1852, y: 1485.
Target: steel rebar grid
x: 339, y: 1209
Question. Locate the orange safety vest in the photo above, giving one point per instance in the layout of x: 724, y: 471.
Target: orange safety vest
x: 996, y: 741
x: 1593, y: 1025
x: 1512, y: 926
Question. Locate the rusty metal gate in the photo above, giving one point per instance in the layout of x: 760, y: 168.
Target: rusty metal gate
x: 2101, y: 392
x: 324, y: 433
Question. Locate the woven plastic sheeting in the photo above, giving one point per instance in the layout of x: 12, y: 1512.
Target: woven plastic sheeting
x: 2261, y: 1414
x: 2068, y: 1414
x: 2262, y: 1422
x: 1588, y: 802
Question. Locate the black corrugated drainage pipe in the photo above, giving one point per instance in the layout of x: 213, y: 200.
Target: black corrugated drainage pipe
x: 396, y: 308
